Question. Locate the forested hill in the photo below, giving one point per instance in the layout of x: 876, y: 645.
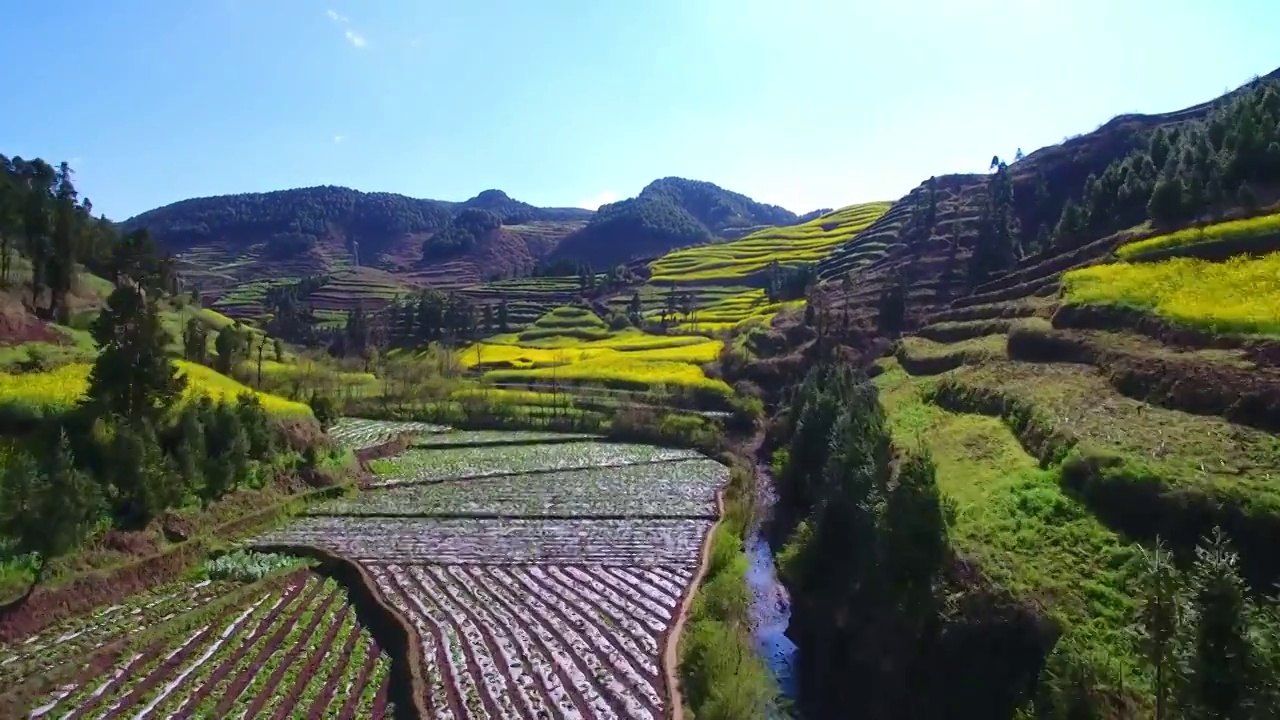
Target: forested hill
x: 668, y: 213
x: 294, y: 220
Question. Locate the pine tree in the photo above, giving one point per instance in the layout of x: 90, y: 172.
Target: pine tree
x: 504, y: 317
x: 189, y: 451
x: 48, y: 510
x: 145, y: 480
x: 39, y: 178
x: 1219, y: 662
x: 195, y: 342
x: 257, y: 428
x: 1160, y: 616
x: 72, y: 503
x: 10, y: 214
x: 262, y: 347
x: 61, y: 262
x: 229, y: 345
x: 228, y: 451
x: 1070, y: 224
x: 132, y: 376
x: 915, y: 535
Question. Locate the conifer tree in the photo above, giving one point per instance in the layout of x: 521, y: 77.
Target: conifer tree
x: 1160, y: 616
x: 133, y: 376
x: 1219, y: 659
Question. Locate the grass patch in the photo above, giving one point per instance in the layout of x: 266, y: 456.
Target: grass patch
x: 921, y: 356
x: 1185, y: 451
x: 1241, y: 295
x: 1254, y: 228
x: 1028, y: 535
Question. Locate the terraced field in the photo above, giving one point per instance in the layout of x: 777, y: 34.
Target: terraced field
x: 245, y: 300
x: 365, y: 287
x: 287, y: 646
x: 360, y: 433
x: 1243, y: 235
x: 429, y: 464
x: 790, y: 246
x: 1073, y: 429
x: 571, y: 349
x: 527, y: 298
x: 1240, y: 295
x: 526, y: 600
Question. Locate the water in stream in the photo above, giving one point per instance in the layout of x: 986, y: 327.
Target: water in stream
x: 770, y: 604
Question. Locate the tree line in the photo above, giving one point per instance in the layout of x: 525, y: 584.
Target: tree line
x: 132, y: 448
x: 44, y: 219
x: 866, y: 557
x: 1179, y: 174
x: 868, y: 536
x: 1187, y: 169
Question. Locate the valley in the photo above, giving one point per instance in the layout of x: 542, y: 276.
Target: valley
x: 1007, y: 444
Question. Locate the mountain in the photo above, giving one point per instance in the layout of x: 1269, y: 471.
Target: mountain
x: 225, y: 240
x: 668, y: 213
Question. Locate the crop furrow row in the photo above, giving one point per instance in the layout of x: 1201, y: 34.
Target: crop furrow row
x: 575, y: 675
x: 495, y: 680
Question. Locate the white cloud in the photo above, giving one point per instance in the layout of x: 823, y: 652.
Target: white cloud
x: 353, y: 37
x: 594, y: 202
x: 337, y: 139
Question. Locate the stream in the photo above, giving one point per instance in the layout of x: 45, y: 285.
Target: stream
x: 770, y: 603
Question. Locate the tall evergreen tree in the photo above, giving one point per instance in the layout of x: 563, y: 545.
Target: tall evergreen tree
x: 229, y: 345
x: 145, y: 479
x: 195, y: 341
x: 132, y: 376
x: 1160, y: 618
x: 66, y: 222
x: 914, y: 528
x: 1220, y: 662
x: 504, y: 316
x: 48, y: 510
x: 39, y: 179
x: 189, y: 451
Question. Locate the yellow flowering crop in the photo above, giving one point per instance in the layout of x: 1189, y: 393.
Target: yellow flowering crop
x: 57, y: 391
x: 1241, y: 295
x: 1255, y: 227
x: 45, y: 393
x: 205, y: 381
x: 792, y: 246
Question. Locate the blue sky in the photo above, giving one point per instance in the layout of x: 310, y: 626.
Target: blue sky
x: 804, y: 103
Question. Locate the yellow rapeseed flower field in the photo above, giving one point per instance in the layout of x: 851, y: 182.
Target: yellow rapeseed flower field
x: 1256, y: 227
x: 57, y: 391
x: 43, y: 394
x: 621, y: 371
x: 790, y: 246
x: 628, y: 358
x: 1241, y: 295
x: 205, y: 381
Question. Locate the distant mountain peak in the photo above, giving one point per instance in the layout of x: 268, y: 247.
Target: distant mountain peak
x: 490, y: 196
x: 669, y: 212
